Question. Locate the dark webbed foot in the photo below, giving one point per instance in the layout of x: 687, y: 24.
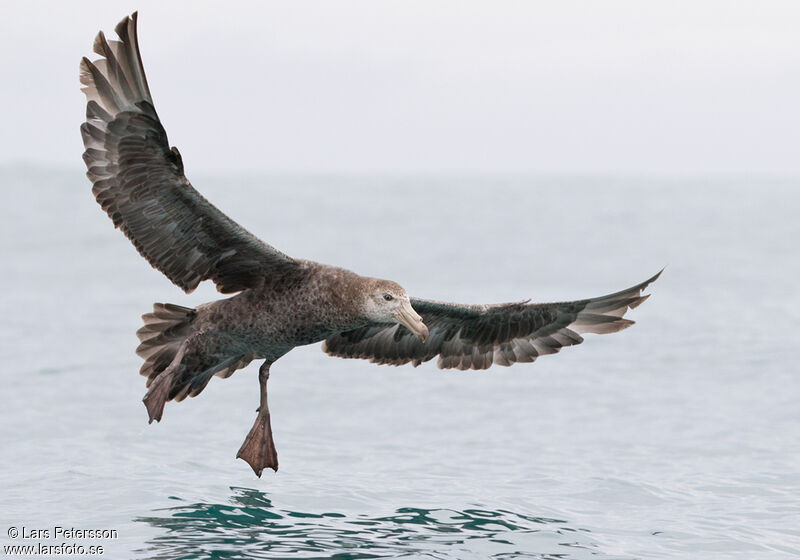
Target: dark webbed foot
x: 157, y: 395
x: 258, y: 448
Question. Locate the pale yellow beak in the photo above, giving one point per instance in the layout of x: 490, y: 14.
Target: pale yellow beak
x: 409, y: 318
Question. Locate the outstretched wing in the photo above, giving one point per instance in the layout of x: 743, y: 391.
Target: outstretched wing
x: 138, y: 180
x: 477, y: 336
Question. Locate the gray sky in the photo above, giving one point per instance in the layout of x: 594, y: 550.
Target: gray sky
x: 365, y: 86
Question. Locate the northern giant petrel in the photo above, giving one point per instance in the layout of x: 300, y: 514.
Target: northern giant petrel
x: 281, y: 302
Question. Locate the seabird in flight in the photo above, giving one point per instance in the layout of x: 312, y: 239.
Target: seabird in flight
x: 280, y: 302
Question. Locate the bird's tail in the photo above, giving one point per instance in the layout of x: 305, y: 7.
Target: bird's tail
x: 174, y: 369
x: 162, y: 336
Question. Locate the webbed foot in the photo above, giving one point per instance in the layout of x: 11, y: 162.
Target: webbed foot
x: 258, y: 448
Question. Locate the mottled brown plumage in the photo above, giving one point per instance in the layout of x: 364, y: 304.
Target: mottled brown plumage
x: 281, y: 302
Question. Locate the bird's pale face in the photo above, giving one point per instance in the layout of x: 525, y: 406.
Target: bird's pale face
x: 388, y: 302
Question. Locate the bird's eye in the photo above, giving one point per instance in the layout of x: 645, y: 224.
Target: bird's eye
x: 388, y: 297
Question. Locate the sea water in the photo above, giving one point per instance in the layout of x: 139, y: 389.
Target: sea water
x: 676, y: 438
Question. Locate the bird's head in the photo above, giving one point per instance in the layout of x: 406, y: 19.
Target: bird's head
x: 387, y: 302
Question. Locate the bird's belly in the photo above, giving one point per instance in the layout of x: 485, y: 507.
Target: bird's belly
x: 271, y: 324
x: 309, y: 334
x: 272, y: 342
x: 272, y: 334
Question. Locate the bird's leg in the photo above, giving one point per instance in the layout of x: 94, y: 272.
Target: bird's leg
x: 258, y: 448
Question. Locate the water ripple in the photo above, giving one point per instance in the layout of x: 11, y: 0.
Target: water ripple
x: 250, y: 526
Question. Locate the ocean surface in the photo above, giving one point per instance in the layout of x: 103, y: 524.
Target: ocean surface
x: 676, y: 438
